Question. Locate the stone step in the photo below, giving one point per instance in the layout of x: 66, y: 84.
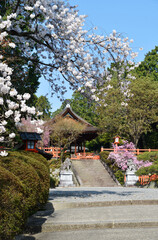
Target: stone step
x: 129, y: 216
x: 98, y: 225
x: 91, y: 173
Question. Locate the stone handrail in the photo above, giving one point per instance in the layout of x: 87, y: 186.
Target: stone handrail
x: 110, y: 172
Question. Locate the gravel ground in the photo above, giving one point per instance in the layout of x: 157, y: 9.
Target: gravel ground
x: 87, y: 194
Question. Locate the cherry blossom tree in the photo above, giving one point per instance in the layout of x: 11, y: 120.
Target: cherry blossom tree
x: 12, y: 105
x: 52, y: 34
x: 55, y: 31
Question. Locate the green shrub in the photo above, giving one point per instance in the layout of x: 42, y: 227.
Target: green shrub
x: 66, y: 155
x: 25, y: 184
x: 114, y: 168
x: 104, y: 156
x: 36, y: 156
x: 13, y: 212
x: 27, y: 175
x: 150, y: 156
x: 54, y: 165
x: 41, y: 167
x: 153, y: 169
x: 120, y: 176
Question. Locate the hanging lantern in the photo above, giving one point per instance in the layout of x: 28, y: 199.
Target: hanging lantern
x: 117, y: 140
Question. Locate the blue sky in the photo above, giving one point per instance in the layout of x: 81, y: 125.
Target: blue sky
x: 136, y: 19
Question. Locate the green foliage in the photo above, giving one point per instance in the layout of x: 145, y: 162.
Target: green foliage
x: 153, y: 169
x: 110, y: 111
x: 24, y: 186
x: 59, y: 110
x: 135, y: 118
x: 149, y: 67
x: 54, y: 165
x: 110, y: 163
x: 65, y: 131
x: 42, y: 104
x: 104, y: 156
x: 150, y: 139
x: 114, y: 168
x: 103, y: 139
x: 142, y: 109
x: 85, y: 108
x: 150, y: 156
x: 13, y: 212
x: 120, y: 176
x: 66, y: 155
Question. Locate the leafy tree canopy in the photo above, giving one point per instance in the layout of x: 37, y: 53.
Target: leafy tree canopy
x: 65, y: 131
x: 142, y: 109
x: 84, y: 107
x: 42, y: 104
x: 149, y: 67
x: 129, y: 117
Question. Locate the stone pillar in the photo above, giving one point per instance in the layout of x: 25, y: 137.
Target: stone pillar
x: 131, y: 178
x: 66, y: 179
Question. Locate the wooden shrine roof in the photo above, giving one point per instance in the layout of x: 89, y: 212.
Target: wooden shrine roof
x: 90, y: 131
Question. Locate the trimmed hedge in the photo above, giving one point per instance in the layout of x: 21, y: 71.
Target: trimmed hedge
x: 153, y: 169
x: 150, y: 156
x: 24, y: 186
x: 12, y: 216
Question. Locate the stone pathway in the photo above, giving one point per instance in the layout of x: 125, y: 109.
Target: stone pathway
x: 101, y: 194
x: 91, y: 173
x: 96, y: 213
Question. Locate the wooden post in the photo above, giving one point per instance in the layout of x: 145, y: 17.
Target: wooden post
x: 84, y: 151
x: 137, y: 151
x: 70, y: 148
x: 75, y: 149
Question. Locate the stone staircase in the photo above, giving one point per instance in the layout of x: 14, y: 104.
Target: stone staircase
x: 91, y: 173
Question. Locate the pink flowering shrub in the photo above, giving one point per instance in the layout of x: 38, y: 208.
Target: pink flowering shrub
x: 122, y: 155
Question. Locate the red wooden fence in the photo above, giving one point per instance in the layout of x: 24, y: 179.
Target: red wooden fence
x: 55, y: 151
x: 145, y: 179
x: 52, y: 150
x: 135, y: 151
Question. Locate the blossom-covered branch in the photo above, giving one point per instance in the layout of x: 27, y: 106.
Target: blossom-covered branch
x: 55, y: 31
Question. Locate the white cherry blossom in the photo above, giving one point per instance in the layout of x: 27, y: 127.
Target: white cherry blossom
x: 3, y: 153
x: 12, y: 135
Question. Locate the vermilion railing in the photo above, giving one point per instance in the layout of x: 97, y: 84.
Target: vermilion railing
x: 135, y: 151
x: 55, y: 151
x: 79, y: 156
x: 52, y: 150
x: 146, y: 179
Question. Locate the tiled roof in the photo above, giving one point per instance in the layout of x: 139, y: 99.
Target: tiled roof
x: 30, y: 136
